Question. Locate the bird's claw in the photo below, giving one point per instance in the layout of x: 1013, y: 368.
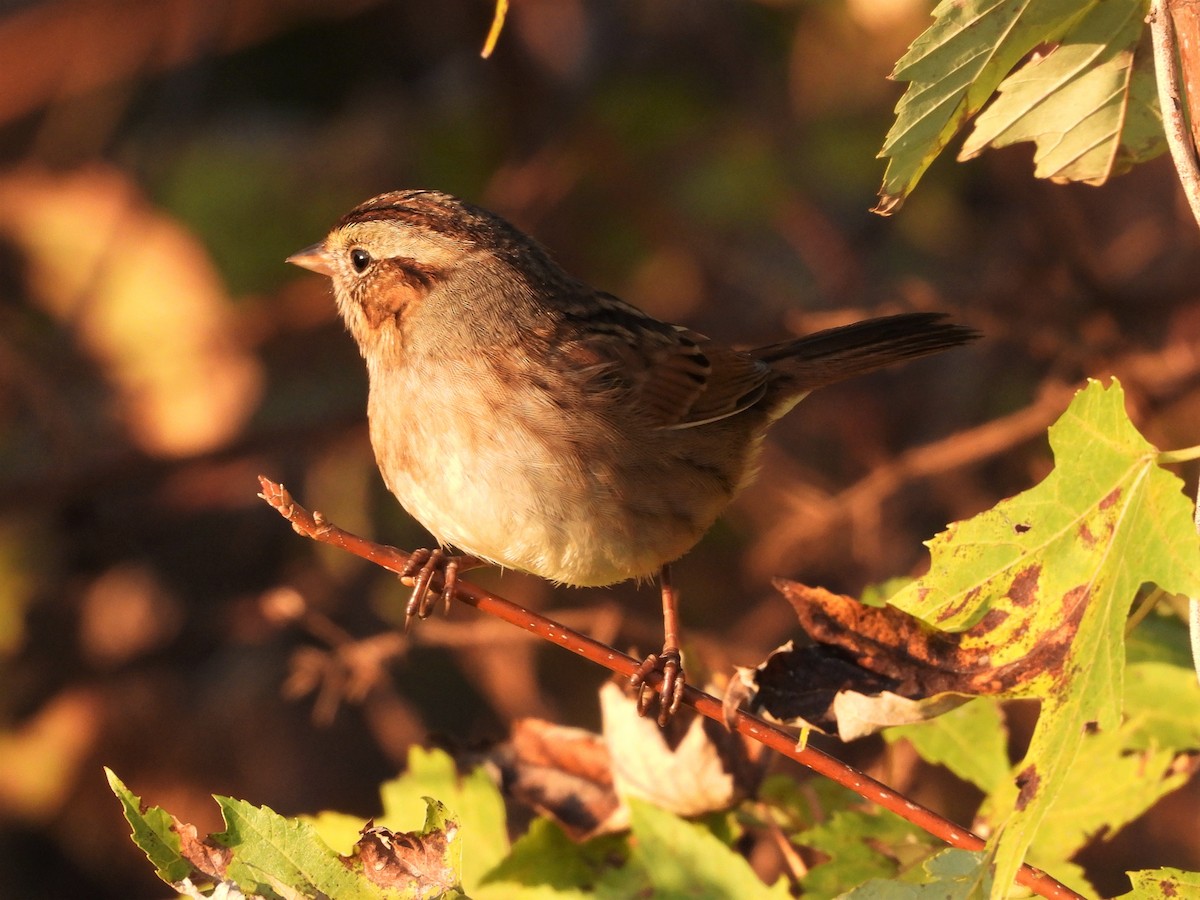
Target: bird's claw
x: 669, y: 664
x: 421, y: 567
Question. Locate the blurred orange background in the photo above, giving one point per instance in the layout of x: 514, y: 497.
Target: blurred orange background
x: 712, y: 162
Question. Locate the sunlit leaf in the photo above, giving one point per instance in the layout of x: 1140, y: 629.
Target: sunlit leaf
x: 271, y: 853
x: 683, y: 859
x: 706, y: 769
x: 950, y: 875
x: 1161, y: 700
x: 954, y: 67
x: 1089, y: 104
x: 153, y: 832
x: 1132, y: 782
x: 860, y: 845
x: 970, y: 741
x: 546, y: 858
x: 477, y: 805
x: 1154, y: 884
x: 1050, y: 575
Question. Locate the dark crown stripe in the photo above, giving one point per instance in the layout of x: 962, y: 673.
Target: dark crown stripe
x: 432, y: 211
x: 441, y: 220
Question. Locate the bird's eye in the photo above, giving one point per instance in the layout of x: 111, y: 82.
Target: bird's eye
x: 360, y: 259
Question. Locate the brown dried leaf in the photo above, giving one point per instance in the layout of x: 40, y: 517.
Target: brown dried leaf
x: 580, y: 779
x: 922, y: 661
x: 563, y: 773
x: 418, y: 864
x: 799, y: 685
x: 208, y: 858
x: 873, y: 667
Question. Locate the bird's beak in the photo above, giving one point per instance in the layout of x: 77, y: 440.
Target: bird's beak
x: 314, y: 258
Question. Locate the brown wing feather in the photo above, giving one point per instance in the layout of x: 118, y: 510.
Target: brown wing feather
x: 670, y: 377
x: 722, y: 381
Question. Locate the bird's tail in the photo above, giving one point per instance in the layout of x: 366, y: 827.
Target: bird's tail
x: 815, y: 360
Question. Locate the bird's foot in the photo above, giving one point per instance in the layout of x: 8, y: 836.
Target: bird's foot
x: 420, y: 571
x: 669, y: 664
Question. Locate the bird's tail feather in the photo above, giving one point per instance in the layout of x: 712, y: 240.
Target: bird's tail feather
x: 835, y: 354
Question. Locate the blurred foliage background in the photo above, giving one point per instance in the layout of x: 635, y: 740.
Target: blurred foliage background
x: 711, y: 161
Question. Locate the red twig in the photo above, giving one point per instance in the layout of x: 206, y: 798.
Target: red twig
x: 313, y: 525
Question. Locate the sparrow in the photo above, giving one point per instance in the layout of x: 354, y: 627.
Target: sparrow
x: 531, y: 421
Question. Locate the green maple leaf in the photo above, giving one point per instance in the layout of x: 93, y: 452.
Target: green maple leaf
x: 1073, y: 76
x: 1154, y: 884
x: 1090, y: 104
x: 1044, y: 581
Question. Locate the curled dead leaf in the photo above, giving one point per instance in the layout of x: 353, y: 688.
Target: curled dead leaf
x: 207, y: 858
x: 563, y: 773
x: 871, y: 667
x: 581, y: 779
x: 415, y: 863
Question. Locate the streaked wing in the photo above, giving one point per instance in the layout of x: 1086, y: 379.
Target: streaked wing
x: 670, y: 376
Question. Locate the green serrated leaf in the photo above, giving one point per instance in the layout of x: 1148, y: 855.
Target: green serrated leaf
x: 685, y: 860
x: 438, y: 818
x: 477, y: 805
x: 1089, y: 104
x: 1054, y: 571
x: 971, y: 741
x: 854, y: 841
x: 507, y: 890
x: 1154, y: 884
x: 1136, y: 763
x: 153, y: 832
x: 1133, y: 782
x: 620, y: 883
x: 949, y: 875
x: 1161, y: 700
x: 545, y: 858
x: 278, y: 857
x: 954, y: 67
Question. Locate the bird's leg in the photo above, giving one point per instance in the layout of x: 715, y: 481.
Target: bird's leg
x: 669, y: 662
x: 421, y: 567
